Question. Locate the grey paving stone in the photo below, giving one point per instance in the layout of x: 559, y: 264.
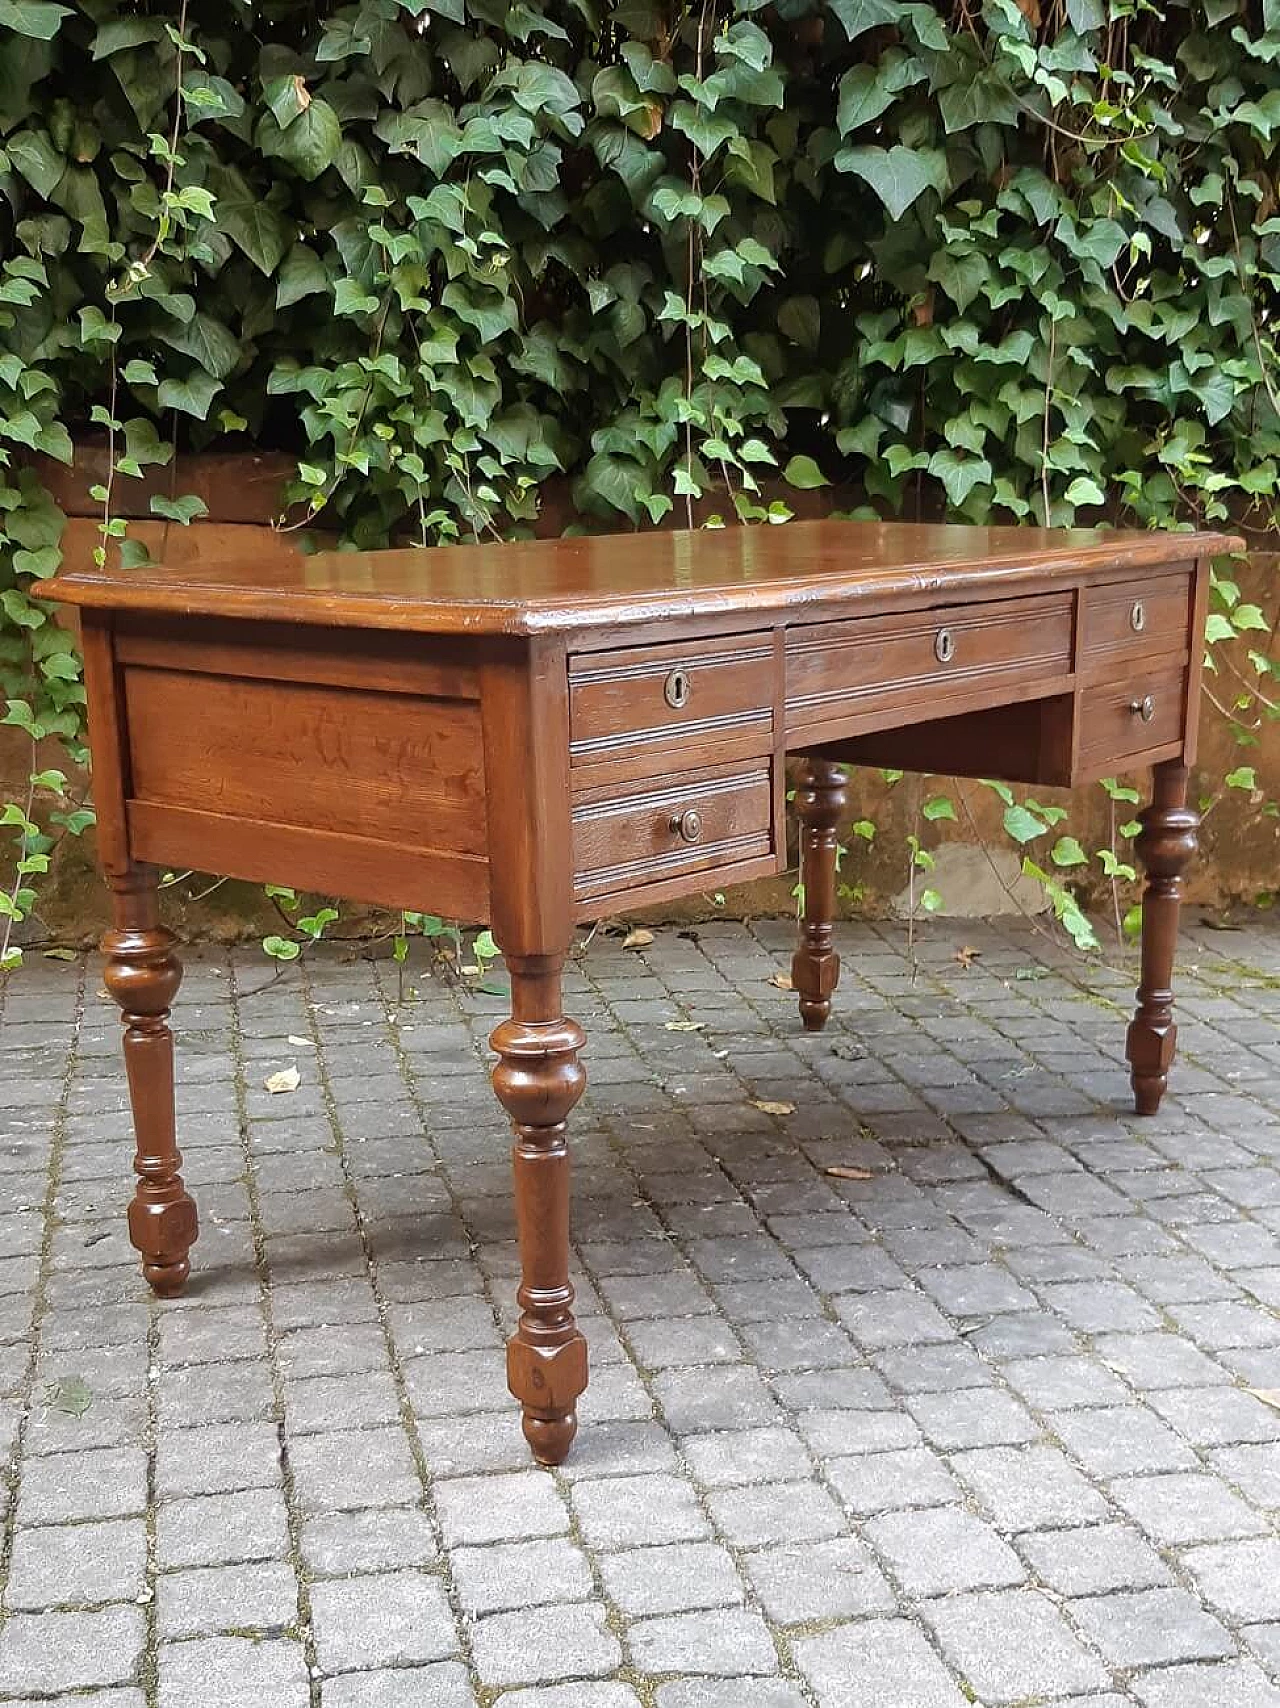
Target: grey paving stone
x: 879, y: 1482
x: 391, y: 1619
x: 673, y: 1579
x: 77, y: 1564
x: 877, y: 1663
x: 234, y: 1672
x: 217, y: 1459
x: 70, y: 1651
x: 544, y: 1645
x: 1255, y: 1471
x: 1095, y: 1560
x: 1151, y: 1626
x: 335, y: 1544
x: 802, y: 1582
x: 1186, y: 1507
x: 1222, y: 1417
x: 729, y: 1693
x: 97, y: 1483
x: 747, y: 1456
x: 726, y: 1640
x: 348, y: 1469
x: 1012, y: 1644
x: 628, y: 1512
x: 236, y: 1599
x: 972, y: 1417
x: 775, y: 1512
x: 221, y: 1529
x: 1235, y: 1684
x: 942, y: 1551
x: 1112, y: 1440
x: 508, y: 1575
x: 1239, y: 1579
x: 1026, y: 1488
x: 444, y: 1685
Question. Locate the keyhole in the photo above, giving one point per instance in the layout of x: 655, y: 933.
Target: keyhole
x: 675, y: 690
x: 944, y: 646
x: 1138, y: 617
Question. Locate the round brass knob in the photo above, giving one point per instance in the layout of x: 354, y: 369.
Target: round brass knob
x: 1145, y: 708
x: 676, y: 689
x: 687, y: 825
x: 1138, y: 617
x: 944, y: 646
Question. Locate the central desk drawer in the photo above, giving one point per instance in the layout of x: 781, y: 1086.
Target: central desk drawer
x: 647, y: 834
x: 926, y: 664
x: 704, y: 694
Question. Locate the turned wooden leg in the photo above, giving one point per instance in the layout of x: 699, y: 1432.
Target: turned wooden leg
x: 538, y: 1079
x: 143, y: 974
x: 1164, y: 845
x: 820, y: 800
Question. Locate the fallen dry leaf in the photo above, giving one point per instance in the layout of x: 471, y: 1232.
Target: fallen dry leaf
x: 1268, y: 1396
x: 782, y: 980
x: 684, y: 1025
x: 840, y: 1173
x: 770, y: 1108
x: 966, y: 955
x: 637, y: 938
x: 301, y: 1043
x: 288, y: 1079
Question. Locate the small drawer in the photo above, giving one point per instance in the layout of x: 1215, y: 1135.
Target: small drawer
x: 706, y: 692
x: 1128, y: 620
x: 870, y: 671
x: 1136, y: 720
x: 716, y: 816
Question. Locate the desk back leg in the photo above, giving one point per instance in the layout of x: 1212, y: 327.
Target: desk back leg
x: 820, y: 800
x: 1165, y: 844
x: 142, y: 974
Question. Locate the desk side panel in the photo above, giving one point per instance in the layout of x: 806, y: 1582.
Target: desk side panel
x: 279, y: 758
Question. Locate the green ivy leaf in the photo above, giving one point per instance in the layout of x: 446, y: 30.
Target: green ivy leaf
x: 184, y: 509
x: 1022, y: 824
x: 804, y: 473
x: 898, y: 175
x: 190, y: 396
x: 38, y: 18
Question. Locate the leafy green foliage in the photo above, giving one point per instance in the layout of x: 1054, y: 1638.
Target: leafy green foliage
x: 1007, y: 262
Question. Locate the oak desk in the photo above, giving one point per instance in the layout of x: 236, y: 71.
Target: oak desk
x: 535, y: 734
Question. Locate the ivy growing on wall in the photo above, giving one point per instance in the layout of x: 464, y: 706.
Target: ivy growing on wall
x: 1013, y: 261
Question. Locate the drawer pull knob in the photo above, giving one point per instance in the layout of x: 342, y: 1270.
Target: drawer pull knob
x: 675, y: 690
x: 1138, y: 617
x: 687, y: 825
x: 944, y: 646
x: 1145, y: 708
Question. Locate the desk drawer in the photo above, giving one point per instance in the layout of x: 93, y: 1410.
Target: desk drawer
x: 926, y: 664
x: 633, y: 700
x: 648, y: 834
x: 1133, y: 721
x: 1140, y: 619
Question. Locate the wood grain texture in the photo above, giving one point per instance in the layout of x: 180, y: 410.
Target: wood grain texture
x: 821, y: 800
x: 1029, y: 743
x: 1115, y: 730
x: 562, y: 585
x: 1126, y: 622
x: 888, y: 671
x: 380, y: 766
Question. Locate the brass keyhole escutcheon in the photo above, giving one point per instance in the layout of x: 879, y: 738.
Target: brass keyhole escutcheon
x: 687, y: 825
x: 1145, y: 708
x: 1138, y: 617
x: 676, y: 689
x: 944, y: 646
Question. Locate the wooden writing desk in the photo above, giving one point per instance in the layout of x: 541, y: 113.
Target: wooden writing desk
x: 541, y: 733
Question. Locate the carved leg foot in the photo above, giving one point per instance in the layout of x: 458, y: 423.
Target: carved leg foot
x: 538, y: 1079
x: 1165, y: 844
x: 820, y: 800
x: 143, y: 973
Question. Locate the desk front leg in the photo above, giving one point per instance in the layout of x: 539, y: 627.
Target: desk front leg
x: 1165, y: 844
x: 538, y: 1079
x: 142, y: 974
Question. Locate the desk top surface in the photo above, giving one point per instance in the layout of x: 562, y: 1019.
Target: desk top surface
x: 550, y: 586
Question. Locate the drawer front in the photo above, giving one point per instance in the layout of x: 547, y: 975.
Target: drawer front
x: 712, y: 817
x: 1132, y: 620
x: 1131, y: 721
x: 926, y: 664
x: 704, y: 692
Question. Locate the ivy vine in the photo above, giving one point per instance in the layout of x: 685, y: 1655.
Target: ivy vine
x: 1006, y: 260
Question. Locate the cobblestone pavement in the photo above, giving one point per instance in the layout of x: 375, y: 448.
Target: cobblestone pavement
x: 993, y: 1416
